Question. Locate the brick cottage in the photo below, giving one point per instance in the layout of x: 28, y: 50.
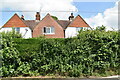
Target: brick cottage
x: 48, y: 26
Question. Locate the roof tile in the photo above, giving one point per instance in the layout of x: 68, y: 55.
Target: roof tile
x: 64, y: 23
x: 78, y: 22
x: 31, y: 23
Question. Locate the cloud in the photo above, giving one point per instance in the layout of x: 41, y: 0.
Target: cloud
x: 108, y: 18
x: 95, y: 0
x: 31, y: 6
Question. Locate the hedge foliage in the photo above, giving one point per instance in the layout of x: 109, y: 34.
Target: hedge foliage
x: 90, y: 53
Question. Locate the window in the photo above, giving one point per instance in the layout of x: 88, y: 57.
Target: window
x: 48, y: 30
x: 78, y: 28
x: 17, y: 29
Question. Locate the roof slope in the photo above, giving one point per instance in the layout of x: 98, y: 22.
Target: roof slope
x: 78, y: 22
x: 64, y: 23
x: 15, y: 21
x: 31, y: 23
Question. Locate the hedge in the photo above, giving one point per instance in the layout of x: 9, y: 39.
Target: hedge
x: 90, y: 53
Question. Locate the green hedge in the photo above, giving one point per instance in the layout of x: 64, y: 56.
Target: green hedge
x: 90, y: 53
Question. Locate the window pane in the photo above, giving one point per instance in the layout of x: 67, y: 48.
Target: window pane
x: 47, y: 30
x: 44, y: 29
x: 52, y: 29
x: 17, y: 29
x: 79, y: 28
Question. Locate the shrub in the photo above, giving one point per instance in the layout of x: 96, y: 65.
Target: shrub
x: 88, y: 53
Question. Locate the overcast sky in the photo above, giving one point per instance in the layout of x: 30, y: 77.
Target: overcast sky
x: 95, y: 12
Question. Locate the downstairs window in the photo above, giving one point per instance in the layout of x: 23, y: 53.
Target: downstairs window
x: 17, y: 29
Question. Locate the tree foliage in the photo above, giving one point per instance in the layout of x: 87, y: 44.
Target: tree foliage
x: 54, y: 17
x: 101, y: 28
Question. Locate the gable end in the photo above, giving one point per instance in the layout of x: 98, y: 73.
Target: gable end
x: 15, y: 21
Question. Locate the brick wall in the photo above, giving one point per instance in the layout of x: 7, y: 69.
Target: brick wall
x: 48, y: 21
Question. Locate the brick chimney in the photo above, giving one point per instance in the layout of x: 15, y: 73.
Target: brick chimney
x: 71, y: 17
x: 38, y: 16
x: 22, y: 17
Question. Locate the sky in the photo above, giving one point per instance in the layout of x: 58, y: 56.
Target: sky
x: 95, y: 12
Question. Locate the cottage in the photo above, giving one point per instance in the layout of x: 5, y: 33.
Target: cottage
x: 47, y: 27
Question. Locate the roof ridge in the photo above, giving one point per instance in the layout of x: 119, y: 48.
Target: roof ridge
x: 29, y: 20
x: 63, y: 20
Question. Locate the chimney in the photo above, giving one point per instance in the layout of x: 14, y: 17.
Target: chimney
x: 71, y: 17
x: 22, y: 17
x: 38, y: 16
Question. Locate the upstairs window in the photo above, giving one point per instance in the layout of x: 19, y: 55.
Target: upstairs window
x: 48, y: 30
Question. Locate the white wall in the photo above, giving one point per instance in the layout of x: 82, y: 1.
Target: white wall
x: 70, y: 32
x: 25, y: 34
x: 73, y: 31
x: 5, y: 29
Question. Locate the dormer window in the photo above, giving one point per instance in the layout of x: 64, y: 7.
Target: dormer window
x: 48, y: 30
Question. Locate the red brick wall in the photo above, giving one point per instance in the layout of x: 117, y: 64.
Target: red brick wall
x: 48, y: 21
x: 15, y: 21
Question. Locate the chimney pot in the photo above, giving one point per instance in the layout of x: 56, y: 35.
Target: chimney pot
x: 38, y: 16
x: 22, y: 17
x: 71, y: 17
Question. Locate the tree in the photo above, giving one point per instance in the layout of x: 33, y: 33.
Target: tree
x: 101, y: 28
x: 54, y: 17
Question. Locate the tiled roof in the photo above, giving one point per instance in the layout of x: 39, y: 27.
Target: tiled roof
x: 64, y: 23
x: 31, y: 23
x: 78, y: 22
x: 15, y: 21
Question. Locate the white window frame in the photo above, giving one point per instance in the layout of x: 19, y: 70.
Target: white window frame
x: 50, y: 30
